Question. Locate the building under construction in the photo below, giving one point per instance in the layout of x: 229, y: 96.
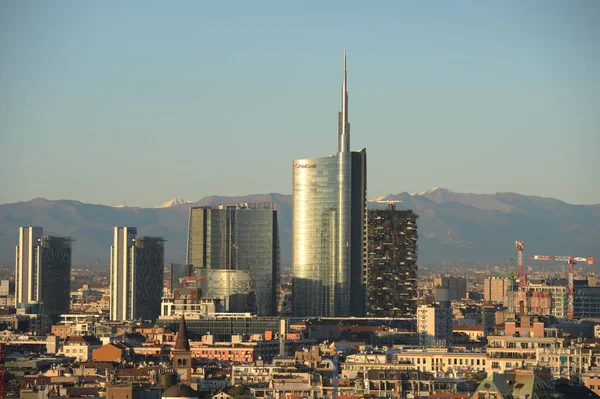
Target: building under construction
x: 391, y: 275
x: 566, y: 299
x: 531, y: 302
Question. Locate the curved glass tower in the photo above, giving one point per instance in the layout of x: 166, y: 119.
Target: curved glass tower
x: 329, y: 219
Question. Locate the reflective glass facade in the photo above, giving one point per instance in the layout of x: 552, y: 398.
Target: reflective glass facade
x: 55, y: 274
x: 174, y: 275
x: 239, y: 237
x: 148, y: 261
x: 223, y: 329
x: 328, y: 235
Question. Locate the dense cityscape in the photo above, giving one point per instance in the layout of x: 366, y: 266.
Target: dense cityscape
x: 356, y: 317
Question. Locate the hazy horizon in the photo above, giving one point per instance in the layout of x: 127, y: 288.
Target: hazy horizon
x: 192, y: 200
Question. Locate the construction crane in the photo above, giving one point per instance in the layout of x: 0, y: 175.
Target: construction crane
x: 571, y: 261
x: 522, y: 278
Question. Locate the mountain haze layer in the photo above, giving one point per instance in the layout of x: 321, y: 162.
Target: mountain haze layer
x: 452, y: 226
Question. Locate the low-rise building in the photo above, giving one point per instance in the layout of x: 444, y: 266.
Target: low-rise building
x: 475, y: 333
x: 255, y: 374
x: 438, y: 362
x: 81, y: 347
x: 112, y: 352
x: 290, y: 385
x: 591, y: 379
x: 565, y: 362
x: 398, y: 384
x: 516, y: 384
x: 128, y: 391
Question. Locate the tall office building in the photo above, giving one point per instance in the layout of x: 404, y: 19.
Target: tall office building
x: 392, y: 263
x: 136, y: 275
x: 495, y: 288
x: 43, y: 271
x: 456, y: 285
x: 329, y: 227
x: 239, y: 237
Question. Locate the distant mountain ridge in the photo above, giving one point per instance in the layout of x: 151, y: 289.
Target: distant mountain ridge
x: 173, y: 202
x: 452, y: 226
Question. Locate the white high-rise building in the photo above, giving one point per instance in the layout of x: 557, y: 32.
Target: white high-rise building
x: 434, y: 325
x: 26, y: 275
x: 434, y: 322
x: 136, y: 275
x: 42, y: 271
x: 121, y: 271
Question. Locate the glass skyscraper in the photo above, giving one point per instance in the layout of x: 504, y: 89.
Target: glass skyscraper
x: 239, y: 237
x: 329, y: 227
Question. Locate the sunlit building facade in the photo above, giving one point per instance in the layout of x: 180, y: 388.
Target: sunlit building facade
x: 239, y: 237
x: 329, y: 227
x: 136, y: 275
x: 43, y: 271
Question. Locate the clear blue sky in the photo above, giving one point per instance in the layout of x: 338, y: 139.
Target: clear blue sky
x: 143, y: 101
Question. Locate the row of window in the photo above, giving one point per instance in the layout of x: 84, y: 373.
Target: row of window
x: 437, y: 360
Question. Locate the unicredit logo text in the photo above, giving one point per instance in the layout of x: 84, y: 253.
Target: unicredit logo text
x: 304, y: 166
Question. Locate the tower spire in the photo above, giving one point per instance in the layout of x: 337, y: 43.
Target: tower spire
x: 343, y: 124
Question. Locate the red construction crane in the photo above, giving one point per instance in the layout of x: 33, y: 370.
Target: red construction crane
x: 522, y: 278
x: 572, y: 261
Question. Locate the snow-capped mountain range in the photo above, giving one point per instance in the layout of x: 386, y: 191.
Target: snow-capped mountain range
x: 452, y: 226
x: 173, y: 202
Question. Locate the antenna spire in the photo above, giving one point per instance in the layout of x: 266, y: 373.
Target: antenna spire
x: 343, y: 124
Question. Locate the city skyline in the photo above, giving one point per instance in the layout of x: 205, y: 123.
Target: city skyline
x: 338, y: 289
x: 489, y: 96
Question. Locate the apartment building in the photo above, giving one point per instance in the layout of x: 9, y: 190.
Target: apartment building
x: 566, y: 362
x: 439, y: 362
x: 516, y: 343
x: 494, y: 289
x: 81, y: 347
